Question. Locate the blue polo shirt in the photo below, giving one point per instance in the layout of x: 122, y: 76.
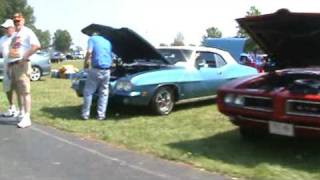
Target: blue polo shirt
x: 101, y: 49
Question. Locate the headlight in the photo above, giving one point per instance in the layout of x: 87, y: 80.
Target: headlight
x: 124, y: 86
x: 233, y: 99
x: 229, y: 98
x: 239, y: 100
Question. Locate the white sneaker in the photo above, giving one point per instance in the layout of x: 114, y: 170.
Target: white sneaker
x: 20, y: 115
x: 25, y: 122
x: 12, y: 112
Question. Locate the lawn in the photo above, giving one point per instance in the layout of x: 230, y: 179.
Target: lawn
x: 195, y: 134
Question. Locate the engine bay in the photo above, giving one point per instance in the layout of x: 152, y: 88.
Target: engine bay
x: 119, y: 70
x: 307, y: 83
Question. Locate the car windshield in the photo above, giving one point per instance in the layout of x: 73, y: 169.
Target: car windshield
x: 175, y: 55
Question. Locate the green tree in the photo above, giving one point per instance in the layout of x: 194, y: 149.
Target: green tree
x: 178, y: 40
x: 62, y: 40
x: 253, y: 11
x: 44, y: 37
x: 250, y: 45
x: 3, y: 5
x: 212, y: 32
x: 9, y: 7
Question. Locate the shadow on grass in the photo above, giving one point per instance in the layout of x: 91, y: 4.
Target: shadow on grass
x: 115, y: 111
x: 230, y: 148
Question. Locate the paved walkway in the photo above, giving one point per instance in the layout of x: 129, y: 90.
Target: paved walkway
x: 43, y: 153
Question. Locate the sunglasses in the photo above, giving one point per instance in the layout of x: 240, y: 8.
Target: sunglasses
x: 16, y: 21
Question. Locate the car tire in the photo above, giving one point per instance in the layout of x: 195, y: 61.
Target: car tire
x: 251, y: 134
x: 35, y: 73
x: 163, y: 101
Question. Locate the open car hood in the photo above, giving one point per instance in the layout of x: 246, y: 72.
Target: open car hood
x: 126, y: 44
x: 290, y: 39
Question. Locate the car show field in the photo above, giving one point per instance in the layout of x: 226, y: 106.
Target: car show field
x: 195, y: 134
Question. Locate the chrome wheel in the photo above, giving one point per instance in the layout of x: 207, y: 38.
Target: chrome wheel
x: 35, y: 74
x: 163, y: 101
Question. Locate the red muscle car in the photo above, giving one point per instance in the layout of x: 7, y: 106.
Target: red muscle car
x: 285, y: 101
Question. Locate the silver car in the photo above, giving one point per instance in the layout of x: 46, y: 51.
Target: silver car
x: 41, y: 66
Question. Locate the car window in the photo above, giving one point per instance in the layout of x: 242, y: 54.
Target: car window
x: 206, y: 59
x: 175, y: 55
x: 219, y: 60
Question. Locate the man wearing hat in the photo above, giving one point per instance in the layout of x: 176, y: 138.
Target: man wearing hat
x: 23, y: 45
x: 5, y: 42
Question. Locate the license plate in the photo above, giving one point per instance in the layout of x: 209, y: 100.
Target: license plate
x: 281, y: 128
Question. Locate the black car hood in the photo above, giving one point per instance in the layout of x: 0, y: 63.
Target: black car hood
x: 126, y: 44
x: 290, y: 39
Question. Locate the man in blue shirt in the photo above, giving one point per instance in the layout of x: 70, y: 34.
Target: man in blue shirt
x: 99, y: 59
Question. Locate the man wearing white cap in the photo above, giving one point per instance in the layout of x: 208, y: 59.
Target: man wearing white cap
x: 23, y: 45
x: 5, y: 42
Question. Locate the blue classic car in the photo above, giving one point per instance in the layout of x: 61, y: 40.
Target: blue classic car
x: 159, y: 78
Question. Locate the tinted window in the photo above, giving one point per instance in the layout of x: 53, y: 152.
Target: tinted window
x: 175, y: 55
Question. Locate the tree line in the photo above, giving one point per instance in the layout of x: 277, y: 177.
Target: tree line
x: 214, y: 32
x: 61, y: 40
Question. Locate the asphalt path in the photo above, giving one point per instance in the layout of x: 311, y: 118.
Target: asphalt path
x: 44, y: 153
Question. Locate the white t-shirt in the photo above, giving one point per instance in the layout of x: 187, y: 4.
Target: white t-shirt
x: 22, y: 42
x: 5, y: 42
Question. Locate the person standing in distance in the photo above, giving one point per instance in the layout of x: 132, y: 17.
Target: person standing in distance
x: 99, y: 59
x: 23, y: 45
x: 5, y: 42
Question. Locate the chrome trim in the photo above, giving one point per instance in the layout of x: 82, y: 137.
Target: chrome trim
x: 196, y: 99
x: 253, y: 119
x: 266, y: 121
x: 258, y: 109
x: 306, y: 127
x: 289, y: 112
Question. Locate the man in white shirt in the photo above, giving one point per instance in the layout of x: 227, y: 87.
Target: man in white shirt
x: 24, y: 44
x: 5, y: 42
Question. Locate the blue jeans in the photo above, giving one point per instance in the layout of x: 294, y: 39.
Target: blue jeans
x: 97, y: 81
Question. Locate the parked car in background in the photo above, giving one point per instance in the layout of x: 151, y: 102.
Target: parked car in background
x: 58, y: 57
x: 41, y: 65
x: 160, y: 78
x: 74, y: 55
x: 284, y: 101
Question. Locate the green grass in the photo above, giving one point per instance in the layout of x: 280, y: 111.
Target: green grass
x: 195, y: 134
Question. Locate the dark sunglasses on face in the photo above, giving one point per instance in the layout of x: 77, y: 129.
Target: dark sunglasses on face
x: 16, y: 21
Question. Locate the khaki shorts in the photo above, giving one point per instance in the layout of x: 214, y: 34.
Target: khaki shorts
x: 20, y: 73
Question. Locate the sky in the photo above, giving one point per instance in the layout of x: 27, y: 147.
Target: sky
x: 158, y: 21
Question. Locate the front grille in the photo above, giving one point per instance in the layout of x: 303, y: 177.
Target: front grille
x: 258, y: 103
x: 303, y: 108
